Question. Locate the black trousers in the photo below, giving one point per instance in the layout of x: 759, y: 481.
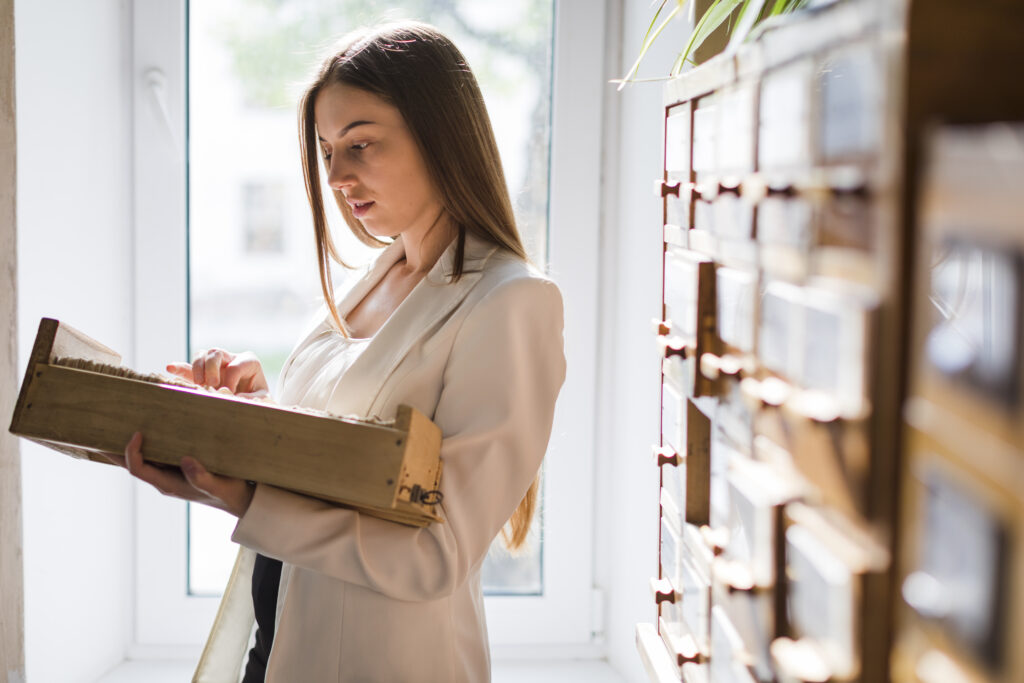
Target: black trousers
x: 266, y: 579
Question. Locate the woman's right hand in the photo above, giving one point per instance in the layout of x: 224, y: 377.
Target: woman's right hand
x: 240, y: 373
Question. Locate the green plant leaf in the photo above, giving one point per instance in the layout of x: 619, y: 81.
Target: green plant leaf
x: 649, y: 38
x: 714, y: 17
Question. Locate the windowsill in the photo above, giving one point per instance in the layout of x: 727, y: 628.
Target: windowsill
x: 504, y: 672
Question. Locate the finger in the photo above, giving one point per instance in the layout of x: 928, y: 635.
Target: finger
x: 199, y: 368
x: 227, y: 493
x: 183, y: 370
x: 216, y: 359
x: 240, y: 373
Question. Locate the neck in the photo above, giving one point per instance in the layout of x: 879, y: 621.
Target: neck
x: 423, y: 248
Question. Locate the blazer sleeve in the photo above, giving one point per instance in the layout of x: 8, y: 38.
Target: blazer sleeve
x: 495, y: 411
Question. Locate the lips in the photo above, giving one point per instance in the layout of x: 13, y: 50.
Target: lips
x: 359, y: 209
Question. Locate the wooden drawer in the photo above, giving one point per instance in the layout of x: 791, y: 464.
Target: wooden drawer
x: 736, y: 308
x: 961, y: 561
x: 827, y: 566
x: 738, y: 133
x: 975, y: 333
x: 849, y: 83
x: 729, y: 654
x: 784, y: 141
x: 705, y: 136
x: 778, y: 339
x: 689, y: 298
x: 676, y: 190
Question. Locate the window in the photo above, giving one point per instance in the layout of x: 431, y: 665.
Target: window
x: 248, y: 279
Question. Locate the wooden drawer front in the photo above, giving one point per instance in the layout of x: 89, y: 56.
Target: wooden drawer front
x: 778, y: 343
x: 848, y: 222
x: 677, y: 204
x: 836, y: 353
x: 823, y: 599
x: 975, y: 328
x: 732, y: 217
x: 785, y: 115
x: 723, y: 454
x: 705, y: 135
x: 690, y: 312
x: 704, y: 216
x: 696, y: 587
x: 756, y: 495
x: 673, y: 418
x: 736, y: 291
x: 784, y: 221
x: 677, y: 166
x: 728, y: 651
x: 752, y: 615
x: 682, y: 293
x: 737, y: 132
x: 671, y: 551
x: 851, y: 113
x: 677, y: 139
x: 959, y: 581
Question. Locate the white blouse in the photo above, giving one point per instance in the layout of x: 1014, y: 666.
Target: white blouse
x: 316, y: 365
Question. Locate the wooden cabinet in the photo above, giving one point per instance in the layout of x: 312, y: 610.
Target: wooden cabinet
x: 791, y: 236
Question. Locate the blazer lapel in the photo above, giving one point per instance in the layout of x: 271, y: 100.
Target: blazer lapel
x: 429, y: 302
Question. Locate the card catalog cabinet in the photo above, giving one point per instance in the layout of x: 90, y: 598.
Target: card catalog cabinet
x: 961, y: 573
x: 825, y: 516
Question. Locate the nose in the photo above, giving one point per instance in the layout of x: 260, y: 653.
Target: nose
x: 339, y: 174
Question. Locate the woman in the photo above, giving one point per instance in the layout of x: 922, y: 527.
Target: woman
x: 450, y: 319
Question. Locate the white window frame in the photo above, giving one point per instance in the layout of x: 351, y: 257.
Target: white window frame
x: 560, y: 623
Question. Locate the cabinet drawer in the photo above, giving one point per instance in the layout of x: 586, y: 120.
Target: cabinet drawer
x: 975, y: 334
x: 728, y: 651
x: 785, y: 117
x: 826, y: 566
x: 778, y: 342
x: 851, y: 112
x: 736, y: 291
x: 705, y: 136
x: 737, y: 132
x: 960, y: 573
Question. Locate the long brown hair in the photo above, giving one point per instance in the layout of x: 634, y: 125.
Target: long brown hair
x: 419, y: 71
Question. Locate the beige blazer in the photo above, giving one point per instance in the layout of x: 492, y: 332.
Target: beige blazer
x: 362, y: 599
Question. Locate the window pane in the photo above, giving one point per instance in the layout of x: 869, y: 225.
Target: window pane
x: 253, y: 281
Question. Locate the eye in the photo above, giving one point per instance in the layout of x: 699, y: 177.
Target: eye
x: 359, y: 146
x: 326, y: 155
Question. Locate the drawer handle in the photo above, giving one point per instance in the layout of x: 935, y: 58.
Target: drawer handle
x: 663, y: 591
x: 665, y: 455
x: 675, y: 347
x: 664, y: 188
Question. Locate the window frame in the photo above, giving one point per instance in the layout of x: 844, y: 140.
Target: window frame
x: 561, y: 621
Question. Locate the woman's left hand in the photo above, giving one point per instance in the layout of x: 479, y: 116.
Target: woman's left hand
x: 193, y: 483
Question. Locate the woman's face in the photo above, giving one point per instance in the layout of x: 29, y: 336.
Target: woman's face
x: 372, y: 159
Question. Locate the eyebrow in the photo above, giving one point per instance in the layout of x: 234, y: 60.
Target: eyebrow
x: 341, y: 133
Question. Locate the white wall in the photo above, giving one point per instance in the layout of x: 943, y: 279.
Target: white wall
x: 629, y: 364
x: 74, y: 203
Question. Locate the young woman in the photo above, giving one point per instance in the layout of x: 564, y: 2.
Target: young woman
x: 450, y: 319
